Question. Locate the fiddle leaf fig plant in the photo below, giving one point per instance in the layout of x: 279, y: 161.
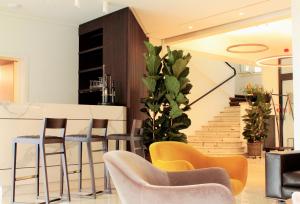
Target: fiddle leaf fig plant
x: 168, y: 86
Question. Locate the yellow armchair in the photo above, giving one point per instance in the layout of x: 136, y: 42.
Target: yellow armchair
x: 177, y: 156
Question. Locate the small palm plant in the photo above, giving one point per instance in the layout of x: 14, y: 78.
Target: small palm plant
x: 168, y: 86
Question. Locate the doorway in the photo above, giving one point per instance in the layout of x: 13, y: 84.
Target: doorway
x: 7, y: 80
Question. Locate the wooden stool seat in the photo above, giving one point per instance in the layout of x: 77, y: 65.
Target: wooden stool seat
x: 83, y: 138
x: 35, y: 139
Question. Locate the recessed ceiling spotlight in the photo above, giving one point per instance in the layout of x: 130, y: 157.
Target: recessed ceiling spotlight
x: 241, y: 13
x: 14, y: 5
x: 77, y: 3
x: 190, y: 27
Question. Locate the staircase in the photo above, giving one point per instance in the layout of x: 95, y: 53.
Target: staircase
x: 221, y: 136
x: 236, y: 100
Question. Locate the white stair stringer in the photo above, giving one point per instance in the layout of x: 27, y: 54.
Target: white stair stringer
x: 221, y: 136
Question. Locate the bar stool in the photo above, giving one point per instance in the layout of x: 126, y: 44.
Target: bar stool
x: 89, y: 138
x: 135, y: 138
x: 136, y: 143
x: 41, y: 141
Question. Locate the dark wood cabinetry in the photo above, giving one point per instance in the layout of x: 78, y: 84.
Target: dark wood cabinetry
x: 116, y: 41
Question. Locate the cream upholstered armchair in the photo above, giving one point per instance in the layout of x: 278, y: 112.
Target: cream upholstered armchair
x: 138, y: 182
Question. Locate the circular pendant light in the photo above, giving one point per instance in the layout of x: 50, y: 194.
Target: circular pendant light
x: 273, y: 61
x: 247, y: 48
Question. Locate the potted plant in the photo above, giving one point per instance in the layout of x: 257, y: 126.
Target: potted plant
x: 256, y: 118
x: 168, y: 86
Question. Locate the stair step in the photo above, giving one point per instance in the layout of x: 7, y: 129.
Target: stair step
x: 227, y: 118
x: 213, y: 139
x: 228, y: 113
x: 203, y: 133
x: 221, y: 150
x: 217, y: 144
x: 221, y: 128
x: 234, y: 104
x: 223, y: 123
x: 232, y: 109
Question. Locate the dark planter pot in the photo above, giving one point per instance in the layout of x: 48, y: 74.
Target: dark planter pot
x: 268, y: 98
x: 251, y: 98
x: 254, y: 149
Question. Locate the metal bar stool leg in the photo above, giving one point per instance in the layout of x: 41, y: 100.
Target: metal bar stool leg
x: 107, y: 187
x: 80, y: 166
x: 14, y: 172
x: 44, y: 163
x: 91, y: 164
x: 61, y: 177
x: 117, y: 145
x: 37, y: 171
x: 65, y: 168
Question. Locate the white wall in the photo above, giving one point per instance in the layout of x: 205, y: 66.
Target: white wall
x: 242, y: 80
x: 205, y: 73
x: 48, y: 54
x: 296, y: 71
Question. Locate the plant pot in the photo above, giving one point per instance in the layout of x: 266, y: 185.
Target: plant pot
x: 268, y: 98
x: 254, y: 149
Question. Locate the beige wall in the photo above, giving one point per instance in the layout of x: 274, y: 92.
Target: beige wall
x: 7, y: 82
x: 205, y: 73
x: 48, y: 58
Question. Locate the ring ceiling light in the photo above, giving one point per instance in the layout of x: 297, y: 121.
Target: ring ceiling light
x: 274, y: 61
x: 247, y: 48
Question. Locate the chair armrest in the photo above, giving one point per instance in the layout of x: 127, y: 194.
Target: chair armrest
x: 236, y: 166
x: 175, y: 165
x: 192, y: 194
x: 276, y: 165
x: 200, y: 176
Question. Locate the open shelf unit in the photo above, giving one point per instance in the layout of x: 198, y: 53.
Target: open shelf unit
x: 90, y: 65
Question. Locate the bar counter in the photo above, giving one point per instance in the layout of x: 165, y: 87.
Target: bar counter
x: 26, y: 119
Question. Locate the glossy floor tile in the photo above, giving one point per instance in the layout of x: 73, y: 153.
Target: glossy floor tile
x: 254, y: 192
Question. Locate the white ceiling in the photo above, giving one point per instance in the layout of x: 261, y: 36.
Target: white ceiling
x: 159, y: 18
x: 275, y: 35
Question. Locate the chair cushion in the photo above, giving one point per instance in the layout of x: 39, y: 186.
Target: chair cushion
x: 291, y: 178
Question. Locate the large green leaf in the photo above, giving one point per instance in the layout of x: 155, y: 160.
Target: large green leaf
x: 184, y: 73
x: 153, y: 107
x: 175, y: 111
x: 179, y: 66
x: 153, y: 50
x: 172, y: 84
x: 150, y: 83
x: 170, y: 97
x: 153, y: 63
x: 181, y: 99
x: 183, y: 82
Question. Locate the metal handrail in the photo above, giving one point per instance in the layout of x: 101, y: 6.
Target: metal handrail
x: 213, y: 89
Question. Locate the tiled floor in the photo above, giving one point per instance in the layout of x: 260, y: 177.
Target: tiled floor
x: 253, y: 193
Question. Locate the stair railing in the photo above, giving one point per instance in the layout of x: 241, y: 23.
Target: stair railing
x: 216, y: 87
